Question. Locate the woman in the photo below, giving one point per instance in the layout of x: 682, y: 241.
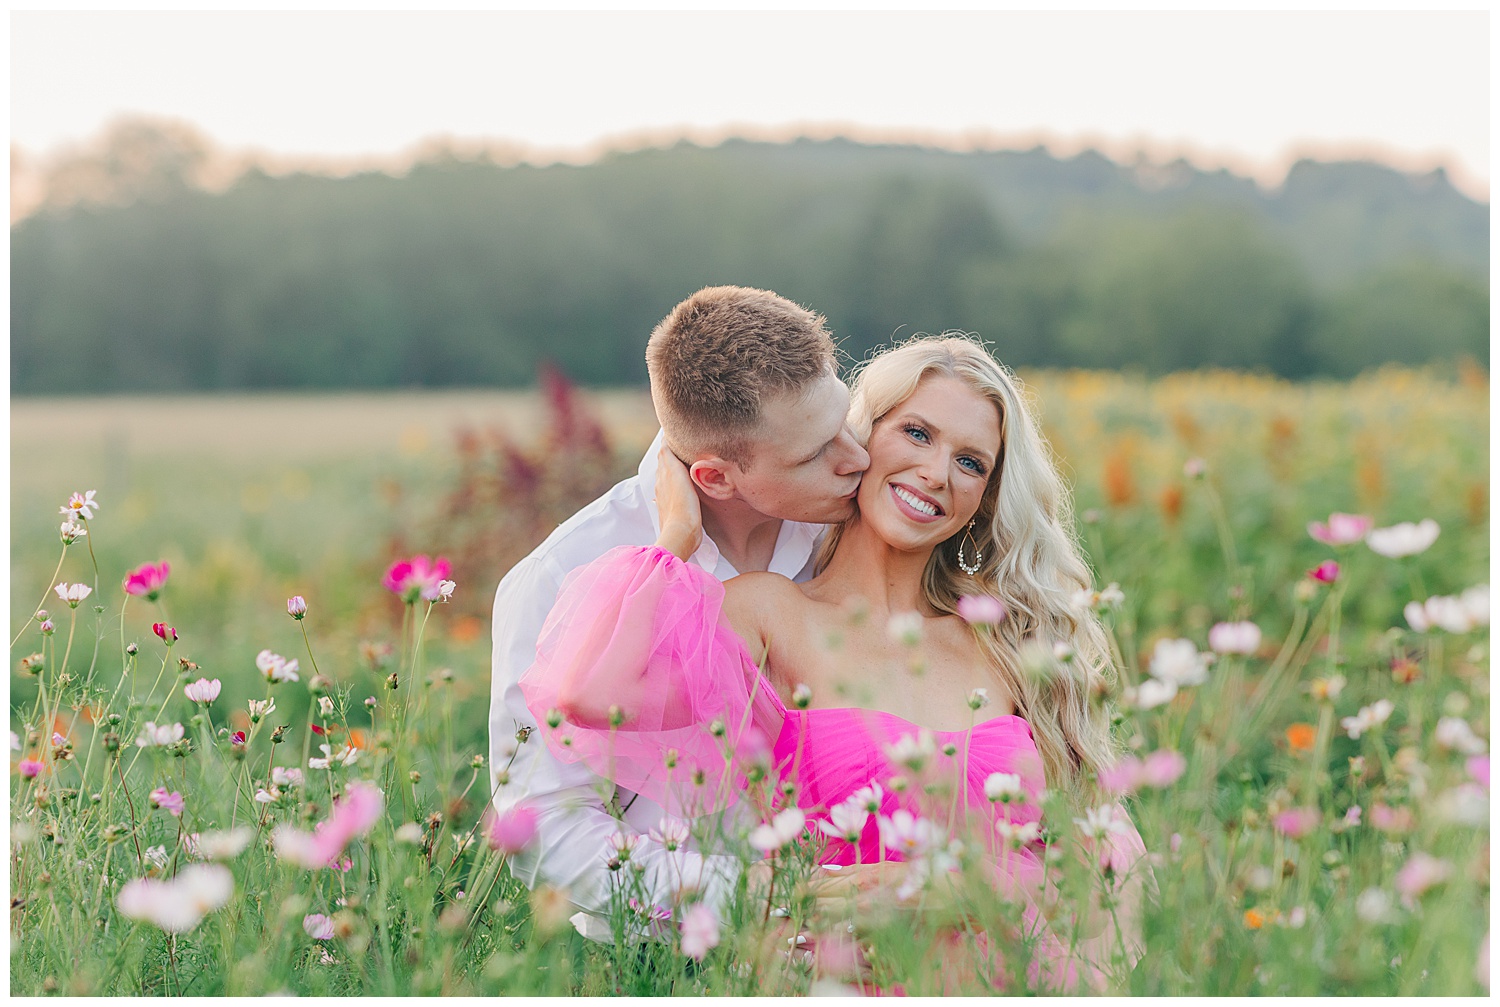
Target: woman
x: 652, y: 672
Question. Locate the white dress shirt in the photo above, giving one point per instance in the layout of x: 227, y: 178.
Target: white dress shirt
x: 570, y: 850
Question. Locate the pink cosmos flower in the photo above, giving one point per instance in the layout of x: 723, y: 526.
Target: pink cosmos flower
x: 1162, y: 768
x: 418, y: 577
x: 203, y: 691
x: 1479, y: 768
x: 167, y: 633
x: 296, y: 606
x: 148, y: 580
x: 178, y: 904
x: 981, y: 609
x: 512, y: 831
x: 909, y: 835
x: 1353, y: 816
x: 1327, y: 572
x: 318, y: 926
x: 1389, y: 819
x: 700, y: 931
x: 354, y: 814
x: 1234, y: 638
x: 170, y: 802
x: 1341, y: 529
x: 29, y: 768
x: 1294, y: 823
x: 1419, y: 874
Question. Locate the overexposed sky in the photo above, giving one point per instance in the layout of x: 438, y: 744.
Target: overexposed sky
x: 1248, y: 91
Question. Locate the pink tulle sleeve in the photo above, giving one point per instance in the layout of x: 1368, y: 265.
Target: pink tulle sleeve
x: 638, y: 638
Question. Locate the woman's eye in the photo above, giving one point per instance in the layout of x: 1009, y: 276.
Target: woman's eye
x: 918, y: 433
x: 972, y: 464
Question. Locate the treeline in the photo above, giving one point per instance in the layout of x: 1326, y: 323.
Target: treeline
x: 465, y: 272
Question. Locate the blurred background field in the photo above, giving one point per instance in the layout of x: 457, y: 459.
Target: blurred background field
x: 253, y: 498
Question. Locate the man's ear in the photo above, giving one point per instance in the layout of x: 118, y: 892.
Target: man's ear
x: 714, y: 477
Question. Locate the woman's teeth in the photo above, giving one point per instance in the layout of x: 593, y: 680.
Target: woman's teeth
x: 916, y: 503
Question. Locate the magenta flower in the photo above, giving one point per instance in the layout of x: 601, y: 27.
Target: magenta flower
x: 29, y: 768
x: 203, y: 691
x: 148, y: 580
x: 418, y: 577
x: 1327, y: 572
x: 168, y: 802
x: 167, y: 633
x: 981, y: 609
x: 512, y: 831
x: 354, y: 814
x: 296, y: 606
x: 318, y: 926
x: 1341, y: 529
x: 700, y: 931
x: 1294, y: 823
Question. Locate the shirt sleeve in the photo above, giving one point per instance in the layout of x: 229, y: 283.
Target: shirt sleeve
x: 574, y: 826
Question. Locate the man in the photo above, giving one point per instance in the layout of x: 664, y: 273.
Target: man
x: 748, y: 395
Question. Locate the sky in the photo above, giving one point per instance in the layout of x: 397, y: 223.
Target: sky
x: 1251, y: 92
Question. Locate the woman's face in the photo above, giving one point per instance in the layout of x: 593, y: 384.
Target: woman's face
x: 931, y: 458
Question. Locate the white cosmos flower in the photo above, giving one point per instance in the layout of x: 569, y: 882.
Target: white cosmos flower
x: 1404, y: 539
x: 1101, y: 820
x: 1018, y: 835
x: 905, y: 628
x: 670, y: 832
x: 1455, y: 733
x: 1235, y: 638
x: 1152, y: 693
x: 166, y: 734
x: 785, y: 828
x: 1371, y: 716
x: 845, y: 821
x: 219, y: 845
x: 177, y: 905
x: 1178, y: 662
x: 1003, y: 787
x: 284, y: 776
x: 910, y: 835
x: 73, y: 593
x: 912, y: 750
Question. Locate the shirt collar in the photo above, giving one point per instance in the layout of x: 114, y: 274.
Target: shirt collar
x: 794, y: 543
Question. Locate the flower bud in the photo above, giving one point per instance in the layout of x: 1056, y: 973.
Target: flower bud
x: 477, y: 762
x: 41, y: 615
x: 502, y: 777
x: 296, y: 606
x: 616, y: 716
x: 47, y: 627
x: 802, y: 697
x: 132, y: 649
x: 716, y: 728
x: 554, y: 718
x: 414, y: 776
x: 111, y: 741
x: 391, y: 681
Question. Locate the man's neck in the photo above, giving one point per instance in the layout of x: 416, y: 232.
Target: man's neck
x: 745, y: 538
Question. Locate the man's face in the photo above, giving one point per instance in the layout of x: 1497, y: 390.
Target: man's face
x: 806, y: 463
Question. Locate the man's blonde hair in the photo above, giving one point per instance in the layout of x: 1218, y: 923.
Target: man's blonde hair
x: 719, y: 354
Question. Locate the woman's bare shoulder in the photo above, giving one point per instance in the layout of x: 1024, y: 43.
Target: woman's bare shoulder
x: 759, y: 593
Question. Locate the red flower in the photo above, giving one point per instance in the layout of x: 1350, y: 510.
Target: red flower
x: 1326, y: 571
x: 167, y: 633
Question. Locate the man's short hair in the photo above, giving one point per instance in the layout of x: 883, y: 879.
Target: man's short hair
x: 719, y: 354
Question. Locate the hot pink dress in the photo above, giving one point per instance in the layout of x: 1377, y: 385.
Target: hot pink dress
x: 643, y: 631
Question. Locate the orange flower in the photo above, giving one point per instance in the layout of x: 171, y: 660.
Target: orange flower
x: 1254, y: 919
x: 1405, y: 672
x: 1119, y: 482
x: 357, y: 739
x: 1300, y: 737
x: 1171, y: 502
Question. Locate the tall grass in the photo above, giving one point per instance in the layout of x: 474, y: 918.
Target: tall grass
x: 1264, y: 880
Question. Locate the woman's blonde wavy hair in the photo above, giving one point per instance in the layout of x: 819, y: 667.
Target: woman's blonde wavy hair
x: 1030, y: 560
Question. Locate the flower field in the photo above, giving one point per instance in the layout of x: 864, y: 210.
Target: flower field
x: 249, y: 731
